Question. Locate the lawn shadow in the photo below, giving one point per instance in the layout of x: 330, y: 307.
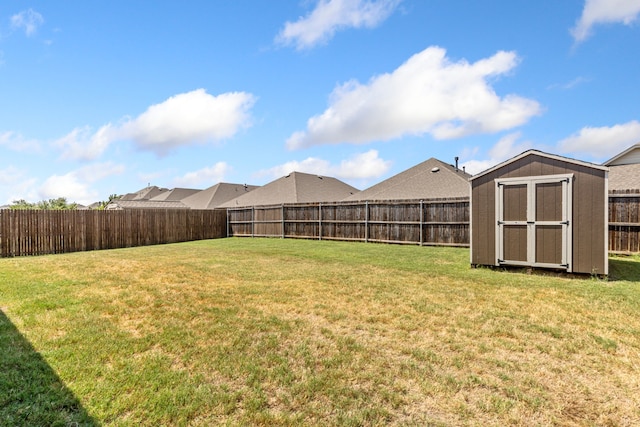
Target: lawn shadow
x: 624, y: 269
x: 31, y: 394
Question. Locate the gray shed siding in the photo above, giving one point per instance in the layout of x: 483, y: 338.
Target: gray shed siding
x: 589, y: 223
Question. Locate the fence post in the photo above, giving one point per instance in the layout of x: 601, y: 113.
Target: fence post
x: 282, y: 214
x: 421, y: 222
x: 228, y: 228
x: 320, y: 221
x: 366, y: 221
x: 253, y: 219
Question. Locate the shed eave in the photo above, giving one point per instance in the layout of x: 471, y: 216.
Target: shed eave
x: 541, y: 154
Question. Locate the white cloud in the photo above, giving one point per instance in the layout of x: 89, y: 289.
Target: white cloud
x: 204, y: 177
x: 506, y: 148
x: 602, y: 12
x: 184, y: 119
x: 602, y: 142
x: 82, y: 144
x: 427, y: 94
x: 570, y: 85
x: 10, y: 175
x: 330, y: 16
x: 187, y: 118
x: 28, y: 20
x: 360, y: 166
x: 75, y: 186
x: 16, y: 142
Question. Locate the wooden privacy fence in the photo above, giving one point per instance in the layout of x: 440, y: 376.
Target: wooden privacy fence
x: 39, y: 232
x: 443, y: 222
x: 429, y: 222
x: 624, y: 221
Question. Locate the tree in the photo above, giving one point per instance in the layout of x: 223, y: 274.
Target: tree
x: 104, y: 204
x: 52, y: 204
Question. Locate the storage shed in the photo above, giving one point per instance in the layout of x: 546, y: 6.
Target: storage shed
x: 541, y: 210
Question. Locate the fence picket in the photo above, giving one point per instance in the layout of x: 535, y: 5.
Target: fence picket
x: 39, y: 232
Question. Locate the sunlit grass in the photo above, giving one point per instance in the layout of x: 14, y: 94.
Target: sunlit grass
x: 294, y: 332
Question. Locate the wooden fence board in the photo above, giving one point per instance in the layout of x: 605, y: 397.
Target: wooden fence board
x: 422, y: 222
x: 40, y: 232
x: 624, y: 221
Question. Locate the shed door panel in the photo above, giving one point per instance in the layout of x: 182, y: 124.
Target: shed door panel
x: 515, y: 243
x: 533, y: 221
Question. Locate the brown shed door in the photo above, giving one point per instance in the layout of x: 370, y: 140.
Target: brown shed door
x: 533, y: 217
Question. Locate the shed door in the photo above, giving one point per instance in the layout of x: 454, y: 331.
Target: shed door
x: 534, y: 221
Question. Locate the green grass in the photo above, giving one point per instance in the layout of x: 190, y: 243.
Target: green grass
x: 295, y: 332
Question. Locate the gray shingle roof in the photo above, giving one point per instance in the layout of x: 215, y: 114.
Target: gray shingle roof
x: 624, y: 177
x: 216, y: 195
x: 175, y: 194
x: 145, y: 204
x: 297, y: 187
x: 431, y: 179
x: 145, y: 194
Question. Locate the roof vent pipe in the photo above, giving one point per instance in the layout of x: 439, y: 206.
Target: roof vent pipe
x: 456, y: 158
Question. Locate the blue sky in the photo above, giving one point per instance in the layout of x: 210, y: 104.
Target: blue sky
x: 105, y: 97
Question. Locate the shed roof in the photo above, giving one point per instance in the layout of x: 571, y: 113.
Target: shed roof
x: 629, y: 156
x: 297, y: 187
x: 216, y: 195
x: 541, y: 154
x: 431, y: 179
x: 624, y: 177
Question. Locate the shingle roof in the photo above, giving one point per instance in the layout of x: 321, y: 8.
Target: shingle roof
x: 144, y: 194
x: 216, y: 195
x: 624, y: 177
x: 175, y: 194
x: 297, y: 187
x: 145, y: 204
x: 431, y: 179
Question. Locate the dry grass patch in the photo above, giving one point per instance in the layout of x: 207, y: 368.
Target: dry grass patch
x: 286, y: 332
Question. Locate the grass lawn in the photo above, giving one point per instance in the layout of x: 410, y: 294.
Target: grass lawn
x: 295, y: 332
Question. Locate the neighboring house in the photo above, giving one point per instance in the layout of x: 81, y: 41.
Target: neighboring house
x: 144, y: 204
x: 176, y: 194
x: 624, y: 170
x: 297, y: 187
x: 145, y: 194
x: 153, y: 198
x: 216, y: 195
x: 431, y: 179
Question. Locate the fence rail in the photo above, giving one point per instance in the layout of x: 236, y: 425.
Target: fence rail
x: 443, y: 222
x: 624, y: 221
x: 40, y: 232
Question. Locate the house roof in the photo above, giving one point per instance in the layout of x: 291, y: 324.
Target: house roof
x: 297, y: 187
x: 145, y: 194
x: 145, y: 204
x: 431, y: 179
x: 629, y: 156
x: 175, y: 194
x: 624, y: 177
x: 216, y: 195
x: 541, y: 154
